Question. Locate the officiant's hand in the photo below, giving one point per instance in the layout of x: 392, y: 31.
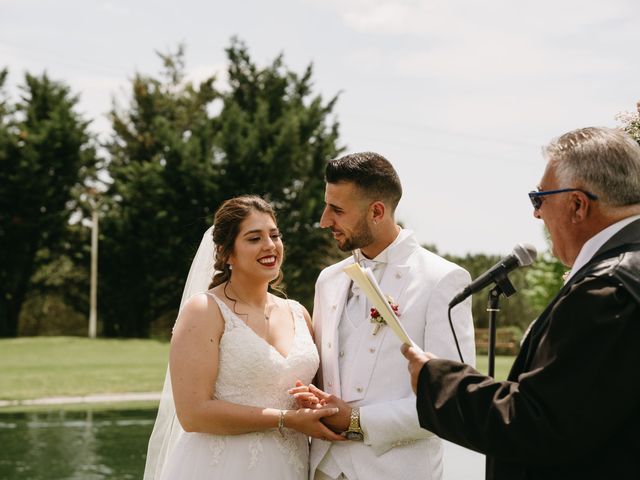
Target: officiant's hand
x: 417, y: 358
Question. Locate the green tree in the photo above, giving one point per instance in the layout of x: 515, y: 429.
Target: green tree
x: 179, y: 150
x: 46, y: 154
x: 58, y: 298
x: 274, y: 140
x: 545, y: 279
x: 164, y: 186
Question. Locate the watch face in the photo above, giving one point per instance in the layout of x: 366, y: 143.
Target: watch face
x: 354, y: 436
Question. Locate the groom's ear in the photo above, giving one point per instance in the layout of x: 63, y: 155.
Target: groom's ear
x: 378, y: 210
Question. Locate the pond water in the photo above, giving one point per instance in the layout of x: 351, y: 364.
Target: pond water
x: 112, y: 444
x: 78, y: 445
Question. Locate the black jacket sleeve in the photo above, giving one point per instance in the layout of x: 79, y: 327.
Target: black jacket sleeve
x: 577, y: 392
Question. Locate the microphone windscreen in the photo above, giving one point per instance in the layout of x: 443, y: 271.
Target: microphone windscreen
x: 525, y: 253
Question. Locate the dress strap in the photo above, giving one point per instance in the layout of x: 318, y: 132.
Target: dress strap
x: 230, y: 319
x: 297, y: 310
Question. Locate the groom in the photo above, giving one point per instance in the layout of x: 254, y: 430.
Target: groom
x: 362, y: 371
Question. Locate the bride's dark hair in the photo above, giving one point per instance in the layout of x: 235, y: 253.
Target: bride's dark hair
x: 226, y: 226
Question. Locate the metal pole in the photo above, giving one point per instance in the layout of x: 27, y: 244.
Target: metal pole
x: 93, y: 316
x: 493, y: 308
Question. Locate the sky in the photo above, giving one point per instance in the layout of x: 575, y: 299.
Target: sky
x: 460, y: 95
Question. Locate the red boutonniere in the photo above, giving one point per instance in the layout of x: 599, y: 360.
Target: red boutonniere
x: 377, y: 319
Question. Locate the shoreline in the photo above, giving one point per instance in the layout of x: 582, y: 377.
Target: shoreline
x: 84, y: 399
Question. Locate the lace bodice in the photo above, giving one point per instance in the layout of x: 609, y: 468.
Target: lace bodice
x: 252, y: 372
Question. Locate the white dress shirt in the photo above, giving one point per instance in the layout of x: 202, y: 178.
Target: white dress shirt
x: 592, y: 245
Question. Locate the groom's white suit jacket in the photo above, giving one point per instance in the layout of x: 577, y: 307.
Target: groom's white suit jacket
x: 377, y: 379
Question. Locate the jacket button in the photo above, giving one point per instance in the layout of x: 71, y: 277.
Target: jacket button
x: 372, y: 349
x: 330, y: 384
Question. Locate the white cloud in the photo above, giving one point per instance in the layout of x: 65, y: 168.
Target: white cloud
x: 489, y: 64
x: 446, y: 18
x: 459, y: 39
x: 113, y: 8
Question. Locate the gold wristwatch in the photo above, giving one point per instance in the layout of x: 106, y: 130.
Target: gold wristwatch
x: 354, y: 432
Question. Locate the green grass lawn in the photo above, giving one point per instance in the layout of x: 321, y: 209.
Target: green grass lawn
x: 36, y: 367
x: 502, y: 365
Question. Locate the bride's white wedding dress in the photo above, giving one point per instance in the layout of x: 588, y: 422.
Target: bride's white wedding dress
x: 251, y: 372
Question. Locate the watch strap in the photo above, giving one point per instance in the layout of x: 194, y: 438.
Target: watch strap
x: 354, y: 423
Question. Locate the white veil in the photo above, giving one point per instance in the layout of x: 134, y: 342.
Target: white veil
x: 167, y: 428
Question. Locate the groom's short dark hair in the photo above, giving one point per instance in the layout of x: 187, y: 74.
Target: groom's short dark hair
x: 370, y: 172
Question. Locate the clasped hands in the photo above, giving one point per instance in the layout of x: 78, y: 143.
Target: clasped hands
x: 310, y: 397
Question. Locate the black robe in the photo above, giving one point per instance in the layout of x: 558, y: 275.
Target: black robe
x: 571, y: 405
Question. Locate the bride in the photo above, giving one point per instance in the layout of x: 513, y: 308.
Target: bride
x: 236, y: 351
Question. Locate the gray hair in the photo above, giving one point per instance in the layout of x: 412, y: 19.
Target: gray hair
x: 605, y: 161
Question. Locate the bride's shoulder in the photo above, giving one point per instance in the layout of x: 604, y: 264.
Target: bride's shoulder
x: 201, y: 309
x: 200, y: 302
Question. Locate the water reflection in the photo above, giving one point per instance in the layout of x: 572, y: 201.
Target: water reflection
x: 78, y: 445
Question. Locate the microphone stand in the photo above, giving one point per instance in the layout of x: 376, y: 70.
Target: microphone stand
x: 506, y: 288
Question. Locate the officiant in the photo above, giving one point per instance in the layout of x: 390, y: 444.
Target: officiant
x: 571, y: 405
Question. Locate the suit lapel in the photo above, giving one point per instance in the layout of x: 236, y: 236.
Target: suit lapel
x: 394, y: 281
x: 336, y: 300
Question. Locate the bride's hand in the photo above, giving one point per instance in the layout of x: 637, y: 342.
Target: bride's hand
x: 304, y: 398
x: 307, y: 421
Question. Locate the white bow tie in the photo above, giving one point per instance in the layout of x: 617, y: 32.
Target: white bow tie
x: 355, y: 290
x: 364, y: 263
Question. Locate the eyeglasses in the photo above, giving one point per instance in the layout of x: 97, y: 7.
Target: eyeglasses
x: 536, y: 196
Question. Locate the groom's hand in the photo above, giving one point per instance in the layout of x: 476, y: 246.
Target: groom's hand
x: 308, y: 421
x: 338, y: 422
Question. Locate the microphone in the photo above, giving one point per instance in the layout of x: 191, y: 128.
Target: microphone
x: 523, y: 254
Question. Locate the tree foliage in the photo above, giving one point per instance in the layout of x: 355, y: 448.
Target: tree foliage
x: 180, y: 149
x: 275, y: 138
x: 631, y: 122
x: 45, y: 155
x: 545, y: 279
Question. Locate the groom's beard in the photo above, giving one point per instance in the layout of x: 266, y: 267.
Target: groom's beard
x: 362, y: 236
